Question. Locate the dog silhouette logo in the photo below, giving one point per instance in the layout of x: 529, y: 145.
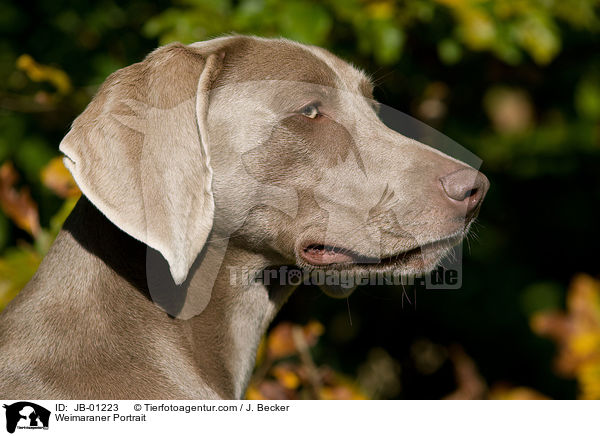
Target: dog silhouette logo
x: 26, y: 415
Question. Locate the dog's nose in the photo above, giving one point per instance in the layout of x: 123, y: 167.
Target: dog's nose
x: 466, y: 189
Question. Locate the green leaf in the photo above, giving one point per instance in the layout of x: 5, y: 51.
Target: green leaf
x: 388, y: 42
x: 587, y: 97
x: 541, y: 296
x: 305, y: 21
x: 32, y: 155
x: 539, y: 36
x: 17, y: 267
x: 449, y: 51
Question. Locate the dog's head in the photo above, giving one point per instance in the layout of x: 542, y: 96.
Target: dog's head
x: 277, y: 146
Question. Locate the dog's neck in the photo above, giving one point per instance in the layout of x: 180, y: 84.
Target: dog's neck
x: 221, y: 340
x: 228, y: 331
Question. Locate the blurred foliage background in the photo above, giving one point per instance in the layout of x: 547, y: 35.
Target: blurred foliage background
x: 515, y: 81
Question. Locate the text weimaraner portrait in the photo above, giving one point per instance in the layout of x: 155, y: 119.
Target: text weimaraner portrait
x: 201, y: 161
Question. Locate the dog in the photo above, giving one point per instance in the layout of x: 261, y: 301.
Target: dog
x: 237, y: 153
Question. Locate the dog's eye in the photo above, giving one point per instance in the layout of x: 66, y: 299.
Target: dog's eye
x: 311, y: 111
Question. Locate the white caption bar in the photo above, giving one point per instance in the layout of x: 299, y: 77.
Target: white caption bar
x: 22, y: 418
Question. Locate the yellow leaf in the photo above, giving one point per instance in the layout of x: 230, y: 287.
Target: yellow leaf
x: 17, y: 266
x: 18, y: 204
x: 341, y: 392
x: 254, y: 394
x: 261, y: 352
x: 585, y: 343
x: 44, y: 73
x: 313, y: 330
x: 588, y: 378
x: 517, y: 393
x: 280, y: 342
x: 58, y: 178
x: 577, y: 334
x: 381, y: 10
x: 286, y: 377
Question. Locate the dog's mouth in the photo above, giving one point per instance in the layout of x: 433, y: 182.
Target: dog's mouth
x: 414, y: 260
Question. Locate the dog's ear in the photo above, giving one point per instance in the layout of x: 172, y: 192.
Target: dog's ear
x: 139, y: 153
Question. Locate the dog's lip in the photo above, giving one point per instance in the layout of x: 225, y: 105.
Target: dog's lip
x: 323, y: 255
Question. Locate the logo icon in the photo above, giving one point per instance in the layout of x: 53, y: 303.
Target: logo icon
x: 26, y: 415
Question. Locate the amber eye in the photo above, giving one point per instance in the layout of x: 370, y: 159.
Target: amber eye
x: 310, y: 111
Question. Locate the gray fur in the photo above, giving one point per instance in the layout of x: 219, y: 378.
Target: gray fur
x: 198, y: 158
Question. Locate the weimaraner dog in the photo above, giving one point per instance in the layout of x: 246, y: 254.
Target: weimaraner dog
x: 234, y: 154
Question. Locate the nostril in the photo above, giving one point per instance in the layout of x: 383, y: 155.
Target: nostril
x: 471, y: 193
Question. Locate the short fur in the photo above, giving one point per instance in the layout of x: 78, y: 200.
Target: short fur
x: 195, y: 162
